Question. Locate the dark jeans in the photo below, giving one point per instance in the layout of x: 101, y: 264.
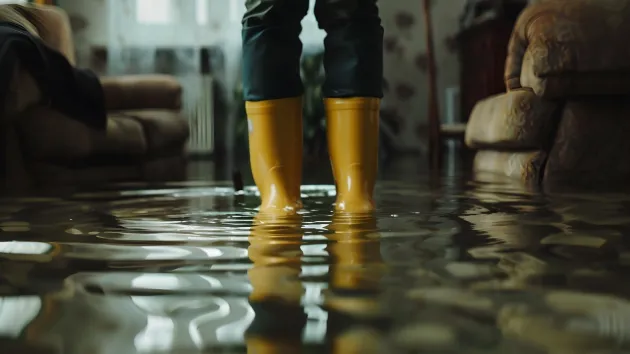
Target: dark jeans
x: 272, y: 49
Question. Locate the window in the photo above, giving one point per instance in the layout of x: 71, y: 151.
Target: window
x: 2, y: 2
x: 237, y: 10
x: 154, y: 12
x: 161, y: 12
x: 202, y: 9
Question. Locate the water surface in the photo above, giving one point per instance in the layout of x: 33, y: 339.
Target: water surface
x: 448, y: 267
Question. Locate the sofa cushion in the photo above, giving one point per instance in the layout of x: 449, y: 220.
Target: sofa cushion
x: 50, y: 174
x: 133, y: 92
x: 592, y: 146
x: 52, y: 136
x: 163, y: 128
x: 515, y: 120
x: 525, y: 166
x: 49, y: 135
x: 169, y: 168
x: 569, y: 37
x: 23, y: 94
x: 124, y: 136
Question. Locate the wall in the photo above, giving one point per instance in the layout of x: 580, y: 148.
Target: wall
x: 405, y: 59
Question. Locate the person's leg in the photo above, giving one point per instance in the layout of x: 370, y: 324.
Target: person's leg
x: 272, y: 91
x: 353, y: 89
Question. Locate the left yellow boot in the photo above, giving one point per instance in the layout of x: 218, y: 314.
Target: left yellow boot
x: 353, y: 126
x: 275, y: 150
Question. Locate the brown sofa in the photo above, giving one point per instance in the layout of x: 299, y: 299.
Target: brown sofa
x: 564, y: 119
x: 145, y: 136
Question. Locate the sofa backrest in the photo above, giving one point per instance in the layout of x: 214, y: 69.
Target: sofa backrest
x: 570, y: 37
x: 12, y: 14
x: 53, y: 26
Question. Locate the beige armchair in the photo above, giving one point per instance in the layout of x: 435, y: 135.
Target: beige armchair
x: 564, y: 120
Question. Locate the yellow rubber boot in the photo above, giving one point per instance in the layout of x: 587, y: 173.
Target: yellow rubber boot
x: 353, y: 145
x: 275, y: 152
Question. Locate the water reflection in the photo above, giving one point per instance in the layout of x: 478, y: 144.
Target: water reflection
x: 479, y: 267
x: 274, y: 249
x: 353, y: 298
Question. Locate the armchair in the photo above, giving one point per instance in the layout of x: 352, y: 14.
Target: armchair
x: 564, y: 119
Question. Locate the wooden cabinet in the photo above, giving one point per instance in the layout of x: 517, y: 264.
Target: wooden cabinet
x: 482, y: 54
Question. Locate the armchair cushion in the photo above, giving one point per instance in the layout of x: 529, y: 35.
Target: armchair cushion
x: 517, y: 120
x: 142, y: 92
x: 526, y: 166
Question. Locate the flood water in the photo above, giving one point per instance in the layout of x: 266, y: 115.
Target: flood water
x: 446, y: 267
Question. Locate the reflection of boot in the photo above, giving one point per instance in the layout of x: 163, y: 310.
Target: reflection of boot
x: 275, y: 150
x: 17, y: 314
x: 360, y: 340
x: 352, y: 125
x: 33, y: 319
x: 355, y: 276
x: 275, y: 251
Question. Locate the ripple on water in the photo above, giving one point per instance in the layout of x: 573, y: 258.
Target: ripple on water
x: 476, y: 267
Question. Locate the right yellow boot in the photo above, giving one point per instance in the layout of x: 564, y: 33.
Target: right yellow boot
x: 275, y: 152
x: 352, y: 125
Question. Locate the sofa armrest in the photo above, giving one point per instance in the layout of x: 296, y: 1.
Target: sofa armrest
x: 142, y: 92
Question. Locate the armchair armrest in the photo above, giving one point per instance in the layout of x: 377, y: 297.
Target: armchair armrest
x: 142, y: 92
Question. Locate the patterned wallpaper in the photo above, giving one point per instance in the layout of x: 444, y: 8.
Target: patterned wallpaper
x: 405, y: 57
x: 406, y: 61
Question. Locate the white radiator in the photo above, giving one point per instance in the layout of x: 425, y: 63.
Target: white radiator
x: 198, y: 108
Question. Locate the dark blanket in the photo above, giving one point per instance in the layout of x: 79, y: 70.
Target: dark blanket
x: 77, y: 93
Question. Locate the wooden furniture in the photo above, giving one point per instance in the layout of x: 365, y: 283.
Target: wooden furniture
x: 486, y: 30
x: 483, y: 40
x: 434, y: 118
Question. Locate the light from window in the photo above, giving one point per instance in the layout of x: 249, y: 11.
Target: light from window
x: 202, y: 9
x: 2, y: 2
x: 237, y: 9
x: 154, y: 12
